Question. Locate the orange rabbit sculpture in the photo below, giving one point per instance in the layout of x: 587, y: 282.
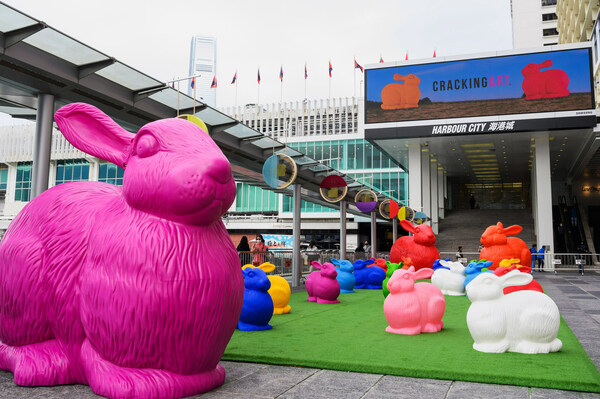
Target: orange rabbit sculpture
x: 401, y: 95
x: 497, y: 246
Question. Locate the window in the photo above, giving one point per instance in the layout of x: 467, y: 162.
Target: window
x: 110, y: 173
x: 549, y: 17
x: 3, y: 177
x: 546, y: 3
x: 550, y: 32
x: 72, y: 170
x: 251, y: 199
x: 23, y: 186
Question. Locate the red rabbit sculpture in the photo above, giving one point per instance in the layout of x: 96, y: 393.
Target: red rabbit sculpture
x: 420, y: 248
x: 497, y: 246
x: 547, y: 84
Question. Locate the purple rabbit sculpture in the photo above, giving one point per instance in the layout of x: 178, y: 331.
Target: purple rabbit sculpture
x: 134, y: 291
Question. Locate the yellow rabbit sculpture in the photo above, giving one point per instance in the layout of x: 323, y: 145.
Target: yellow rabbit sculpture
x: 280, y: 289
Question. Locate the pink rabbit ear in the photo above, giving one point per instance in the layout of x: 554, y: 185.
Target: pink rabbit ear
x: 94, y: 132
x: 317, y: 264
x: 411, y: 269
x: 423, y: 273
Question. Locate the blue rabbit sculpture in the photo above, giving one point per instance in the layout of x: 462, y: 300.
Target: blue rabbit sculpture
x: 345, y: 275
x: 257, y: 309
x: 368, y: 277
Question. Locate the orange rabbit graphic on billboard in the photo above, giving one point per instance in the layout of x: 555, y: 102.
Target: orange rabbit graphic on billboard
x: 401, y: 95
x: 550, y: 83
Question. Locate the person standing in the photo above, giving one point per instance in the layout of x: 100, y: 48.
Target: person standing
x: 540, y: 258
x: 367, y: 248
x: 259, y: 250
x: 533, y: 251
x: 472, y: 202
x: 312, y: 253
x: 243, y: 249
x: 459, y: 253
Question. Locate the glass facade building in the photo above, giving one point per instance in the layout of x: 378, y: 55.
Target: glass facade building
x: 325, y: 131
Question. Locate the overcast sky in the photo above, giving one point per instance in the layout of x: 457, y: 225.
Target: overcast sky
x: 154, y: 37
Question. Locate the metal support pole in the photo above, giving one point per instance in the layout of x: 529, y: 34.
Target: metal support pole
x: 343, y: 229
x: 42, y: 144
x: 296, y: 256
x: 394, y: 230
x: 373, y: 233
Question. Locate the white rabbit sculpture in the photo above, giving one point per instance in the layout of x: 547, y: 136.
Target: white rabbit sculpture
x: 451, y: 280
x: 522, y: 321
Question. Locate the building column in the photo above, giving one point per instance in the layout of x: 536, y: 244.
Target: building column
x: 543, y: 197
x: 343, y: 229
x: 426, y: 182
x: 394, y: 229
x: 42, y: 144
x: 441, y: 192
x: 373, y: 232
x: 415, y: 199
x: 433, y: 165
x: 296, y: 228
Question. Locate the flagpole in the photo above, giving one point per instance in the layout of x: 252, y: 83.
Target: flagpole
x: 354, y: 93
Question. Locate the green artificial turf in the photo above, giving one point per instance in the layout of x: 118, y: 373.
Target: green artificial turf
x: 351, y: 336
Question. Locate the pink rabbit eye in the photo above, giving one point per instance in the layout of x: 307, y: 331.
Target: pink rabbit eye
x: 146, y: 146
x: 406, y: 277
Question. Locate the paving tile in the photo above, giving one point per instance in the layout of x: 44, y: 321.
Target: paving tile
x: 236, y: 370
x: 269, y: 381
x: 392, y: 387
x: 540, y: 393
x: 331, y: 383
x: 472, y: 390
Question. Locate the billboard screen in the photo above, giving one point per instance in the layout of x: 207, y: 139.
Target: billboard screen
x: 548, y: 81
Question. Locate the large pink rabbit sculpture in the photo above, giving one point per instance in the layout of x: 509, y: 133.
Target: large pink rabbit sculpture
x: 544, y: 84
x: 134, y: 291
x: 420, y: 247
x: 411, y: 308
x: 322, y: 285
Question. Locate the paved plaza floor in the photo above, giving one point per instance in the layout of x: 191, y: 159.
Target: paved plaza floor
x: 578, y: 298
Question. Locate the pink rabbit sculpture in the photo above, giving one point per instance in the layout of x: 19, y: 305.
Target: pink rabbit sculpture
x: 134, y: 291
x: 544, y: 84
x: 411, y: 308
x: 420, y: 247
x: 322, y: 285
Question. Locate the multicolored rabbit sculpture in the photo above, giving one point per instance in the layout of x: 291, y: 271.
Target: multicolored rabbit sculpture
x: 345, y: 275
x: 550, y: 83
x: 497, y: 246
x: 449, y: 278
x: 280, y: 290
x: 258, y: 304
x: 522, y: 321
x: 368, y: 277
x: 420, y: 247
x: 134, y: 291
x: 411, y: 308
x: 321, y: 285
x: 391, y: 268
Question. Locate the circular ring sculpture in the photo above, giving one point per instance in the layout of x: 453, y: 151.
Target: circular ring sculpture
x: 388, y: 209
x: 365, y: 200
x: 279, y: 171
x: 406, y: 213
x: 333, y: 188
x: 195, y: 120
